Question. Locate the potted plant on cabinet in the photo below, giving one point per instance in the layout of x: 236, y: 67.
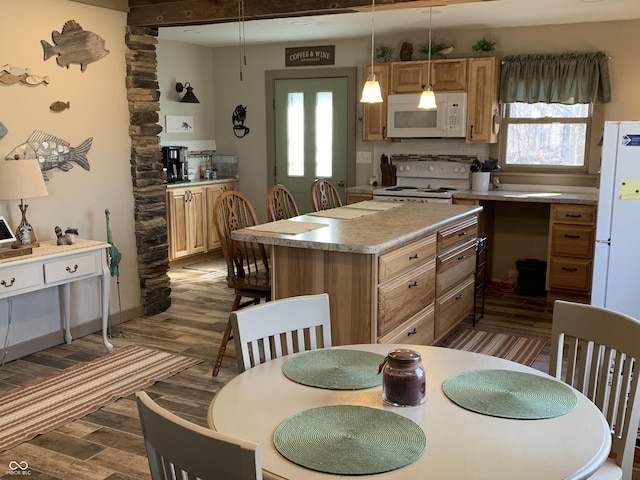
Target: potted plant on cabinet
x: 484, y: 46
x: 383, y: 53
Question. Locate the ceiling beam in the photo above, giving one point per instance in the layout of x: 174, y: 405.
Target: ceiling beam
x: 169, y: 13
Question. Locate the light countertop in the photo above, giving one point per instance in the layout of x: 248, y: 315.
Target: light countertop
x: 529, y: 197
x: 201, y: 182
x: 368, y: 234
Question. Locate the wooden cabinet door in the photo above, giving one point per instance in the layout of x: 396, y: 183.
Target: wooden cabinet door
x: 482, y: 100
x: 408, y: 77
x: 449, y: 75
x: 374, y: 115
x: 196, y: 220
x: 177, y: 222
x: 212, y: 192
x: 358, y: 197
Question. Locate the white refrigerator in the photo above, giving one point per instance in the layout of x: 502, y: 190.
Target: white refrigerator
x: 616, y: 268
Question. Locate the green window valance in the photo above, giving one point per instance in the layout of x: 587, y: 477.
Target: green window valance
x: 567, y: 78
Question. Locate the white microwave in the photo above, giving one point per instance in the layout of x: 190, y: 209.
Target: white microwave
x: 406, y: 120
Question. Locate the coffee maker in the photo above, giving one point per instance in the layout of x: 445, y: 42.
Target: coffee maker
x: 175, y: 163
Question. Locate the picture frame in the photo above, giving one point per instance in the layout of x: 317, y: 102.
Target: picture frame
x: 178, y: 124
x: 7, y: 237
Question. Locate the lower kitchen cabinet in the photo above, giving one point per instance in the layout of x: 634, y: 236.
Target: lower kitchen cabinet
x: 358, y: 197
x: 571, y: 243
x: 191, y: 229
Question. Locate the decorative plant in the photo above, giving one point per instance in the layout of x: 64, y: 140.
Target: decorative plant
x: 383, y: 53
x: 484, y: 45
x: 435, y: 48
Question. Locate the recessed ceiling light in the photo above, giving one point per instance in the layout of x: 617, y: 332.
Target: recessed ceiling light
x: 301, y: 23
x: 191, y: 30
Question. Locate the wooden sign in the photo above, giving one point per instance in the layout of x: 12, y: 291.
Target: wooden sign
x: 308, y: 56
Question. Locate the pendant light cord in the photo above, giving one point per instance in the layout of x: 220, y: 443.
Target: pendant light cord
x: 373, y: 11
x: 429, y: 56
x: 241, y: 37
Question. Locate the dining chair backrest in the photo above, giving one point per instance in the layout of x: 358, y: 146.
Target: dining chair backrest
x: 596, y: 350
x: 280, y: 327
x: 280, y: 203
x: 324, y: 195
x: 232, y: 211
x: 176, y: 446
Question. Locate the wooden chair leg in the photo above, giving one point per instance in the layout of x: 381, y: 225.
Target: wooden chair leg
x: 226, y: 336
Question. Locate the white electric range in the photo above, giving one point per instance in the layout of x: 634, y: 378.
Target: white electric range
x: 428, y: 181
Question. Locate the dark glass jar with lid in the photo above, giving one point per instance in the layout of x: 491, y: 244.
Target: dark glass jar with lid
x: 403, y: 378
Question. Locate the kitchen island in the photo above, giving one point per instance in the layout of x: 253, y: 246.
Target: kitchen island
x: 395, y: 272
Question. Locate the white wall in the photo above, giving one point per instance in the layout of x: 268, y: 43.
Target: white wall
x: 77, y: 198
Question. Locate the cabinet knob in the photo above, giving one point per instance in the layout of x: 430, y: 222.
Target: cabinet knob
x: 462, y: 234
x: 414, y: 257
x: 5, y: 284
x: 414, y: 284
x: 460, y: 297
x: 412, y: 332
x: 462, y: 257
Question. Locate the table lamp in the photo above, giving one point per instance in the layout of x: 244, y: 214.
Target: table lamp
x: 20, y: 179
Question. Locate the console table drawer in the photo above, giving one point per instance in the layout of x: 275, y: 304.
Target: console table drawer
x: 14, y: 279
x: 69, y: 268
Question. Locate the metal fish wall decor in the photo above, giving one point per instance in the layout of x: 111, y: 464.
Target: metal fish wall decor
x: 52, y: 152
x: 10, y: 75
x: 59, y: 106
x: 74, y: 45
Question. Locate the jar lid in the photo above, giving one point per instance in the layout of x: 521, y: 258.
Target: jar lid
x: 404, y: 355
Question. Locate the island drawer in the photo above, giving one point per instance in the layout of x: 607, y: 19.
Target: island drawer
x: 572, y: 240
x: 457, y: 234
x: 401, y: 297
x: 406, y: 257
x: 455, y: 265
x: 453, y: 306
x: 418, y: 330
x: 572, y: 213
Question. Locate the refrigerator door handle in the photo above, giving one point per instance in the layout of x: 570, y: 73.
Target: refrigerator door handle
x: 606, y: 242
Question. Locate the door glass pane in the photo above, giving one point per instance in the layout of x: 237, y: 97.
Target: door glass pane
x: 295, y: 134
x: 324, y: 134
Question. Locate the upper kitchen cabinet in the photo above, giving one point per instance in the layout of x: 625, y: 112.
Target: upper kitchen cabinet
x: 446, y: 76
x: 482, y: 106
x: 374, y: 115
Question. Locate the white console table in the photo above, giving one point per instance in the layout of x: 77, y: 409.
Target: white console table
x: 51, y: 265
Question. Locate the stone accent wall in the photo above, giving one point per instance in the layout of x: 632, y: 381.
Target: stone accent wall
x: 149, y: 189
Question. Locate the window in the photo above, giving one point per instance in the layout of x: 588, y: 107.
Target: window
x: 546, y: 136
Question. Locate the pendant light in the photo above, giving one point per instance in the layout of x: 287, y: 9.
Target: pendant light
x: 428, y: 98
x: 371, y: 91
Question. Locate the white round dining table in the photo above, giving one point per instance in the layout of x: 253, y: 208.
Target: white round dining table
x: 461, y: 444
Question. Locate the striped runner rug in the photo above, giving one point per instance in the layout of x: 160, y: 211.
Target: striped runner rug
x: 50, y: 402
x: 523, y: 350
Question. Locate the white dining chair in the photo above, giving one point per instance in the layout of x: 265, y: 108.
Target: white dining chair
x: 595, y: 350
x: 177, y: 448
x: 281, y: 327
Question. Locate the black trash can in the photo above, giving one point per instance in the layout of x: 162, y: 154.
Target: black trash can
x: 532, y: 275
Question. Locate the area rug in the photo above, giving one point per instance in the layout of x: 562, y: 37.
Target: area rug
x: 523, y: 350
x: 53, y: 401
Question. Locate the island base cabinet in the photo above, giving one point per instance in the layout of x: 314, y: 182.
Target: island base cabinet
x: 453, y: 307
x: 346, y: 277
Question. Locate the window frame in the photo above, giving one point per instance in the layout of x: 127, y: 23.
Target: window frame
x: 549, y: 169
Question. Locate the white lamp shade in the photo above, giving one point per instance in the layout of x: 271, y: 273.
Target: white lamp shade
x: 21, y: 179
x: 371, y: 92
x: 427, y: 99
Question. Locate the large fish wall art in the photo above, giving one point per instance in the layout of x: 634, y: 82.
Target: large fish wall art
x: 52, y: 152
x: 10, y: 75
x: 74, y: 45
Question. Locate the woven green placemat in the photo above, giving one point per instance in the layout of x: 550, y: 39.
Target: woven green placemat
x: 350, y: 440
x: 510, y: 394
x: 335, y: 369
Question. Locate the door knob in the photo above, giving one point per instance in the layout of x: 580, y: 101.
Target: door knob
x: 341, y: 183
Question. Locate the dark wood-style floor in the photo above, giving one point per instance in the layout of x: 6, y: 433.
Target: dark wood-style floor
x: 107, y: 444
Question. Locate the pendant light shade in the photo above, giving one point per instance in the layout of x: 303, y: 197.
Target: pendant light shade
x: 371, y: 92
x: 428, y: 98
